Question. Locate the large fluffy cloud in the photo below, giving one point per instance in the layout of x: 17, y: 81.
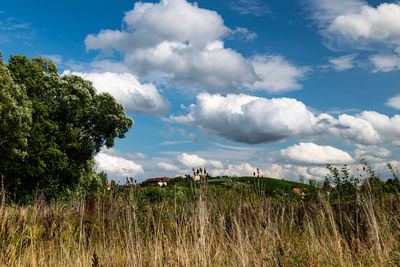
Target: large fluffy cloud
x: 355, y: 24
x: 325, y: 11
x: 168, y: 20
x: 276, y: 74
x: 135, y: 96
x: 186, y: 42
x: 254, y: 120
x: 310, y: 153
x: 249, y: 119
x: 117, y: 167
x: 376, y: 24
x: 373, y: 153
x: 195, y: 161
x: 168, y: 166
x: 191, y: 160
x: 244, y: 169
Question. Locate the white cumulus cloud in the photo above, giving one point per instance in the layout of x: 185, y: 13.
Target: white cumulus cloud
x: 375, y: 153
x: 376, y: 24
x: 168, y: 166
x: 310, y: 153
x: 244, y: 169
x: 215, y: 163
x: 185, y: 42
x: 115, y: 166
x: 253, y: 120
x: 276, y: 74
x: 385, y: 62
x: 195, y: 161
x: 127, y: 90
x: 357, y: 25
x: 394, y: 102
x: 191, y: 160
x: 325, y: 11
x: 273, y: 170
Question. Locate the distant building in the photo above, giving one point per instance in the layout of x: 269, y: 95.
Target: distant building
x: 196, y: 178
x: 163, y: 181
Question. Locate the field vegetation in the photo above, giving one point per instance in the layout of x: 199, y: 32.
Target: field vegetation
x: 225, y: 221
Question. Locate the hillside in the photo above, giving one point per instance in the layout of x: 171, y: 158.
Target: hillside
x: 181, y: 189
x: 264, y: 182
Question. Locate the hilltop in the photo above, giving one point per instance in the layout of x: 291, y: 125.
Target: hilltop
x: 265, y: 183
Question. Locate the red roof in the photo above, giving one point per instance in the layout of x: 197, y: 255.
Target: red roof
x: 299, y: 191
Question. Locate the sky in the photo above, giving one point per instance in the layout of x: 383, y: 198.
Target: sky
x: 286, y: 86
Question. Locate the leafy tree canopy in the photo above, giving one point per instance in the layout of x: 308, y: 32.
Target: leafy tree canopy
x: 15, y: 118
x: 62, y: 124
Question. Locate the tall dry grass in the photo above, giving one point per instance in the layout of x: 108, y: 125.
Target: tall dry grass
x: 230, y: 230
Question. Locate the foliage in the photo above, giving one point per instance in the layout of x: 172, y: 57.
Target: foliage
x: 70, y: 123
x: 15, y: 119
x: 345, y: 183
x: 345, y: 186
x: 394, y: 182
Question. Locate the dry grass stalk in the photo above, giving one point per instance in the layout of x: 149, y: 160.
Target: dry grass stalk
x: 210, y: 231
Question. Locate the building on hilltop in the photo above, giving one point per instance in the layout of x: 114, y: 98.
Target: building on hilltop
x: 301, y: 192
x: 156, y: 181
x: 196, y: 178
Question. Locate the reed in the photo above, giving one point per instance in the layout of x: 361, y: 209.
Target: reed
x: 233, y: 229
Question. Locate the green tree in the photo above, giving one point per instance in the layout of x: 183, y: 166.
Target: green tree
x: 15, y: 118
x: 70, y: 124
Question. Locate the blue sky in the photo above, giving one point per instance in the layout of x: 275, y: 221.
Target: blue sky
x: 284, y: 86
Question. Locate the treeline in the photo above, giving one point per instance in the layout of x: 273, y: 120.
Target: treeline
x: 51, y: 127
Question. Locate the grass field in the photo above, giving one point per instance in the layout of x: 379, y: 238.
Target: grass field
x: 226, y: 222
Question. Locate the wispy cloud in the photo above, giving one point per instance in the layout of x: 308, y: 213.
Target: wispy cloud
x: 240, y: 148
x: 11, y: 29
x: 167, y: 143
x: 342, y: 63
x: 243, y: 33
x: 250, y: 7
x: 57, y: 59
x: 181, y: 132
x: 10, y: 26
